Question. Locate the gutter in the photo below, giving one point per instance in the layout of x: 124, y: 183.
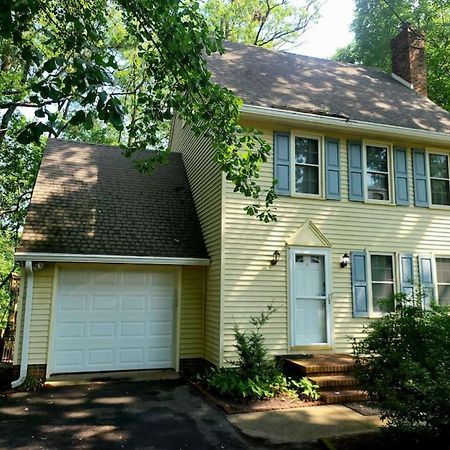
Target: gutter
x: 348, y: 124
x: 110, y: 259
x: 26, y: 326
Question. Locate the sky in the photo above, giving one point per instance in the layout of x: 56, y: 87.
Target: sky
x: 330, y: 33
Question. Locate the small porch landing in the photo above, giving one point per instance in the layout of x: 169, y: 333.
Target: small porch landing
x: 333, y: 373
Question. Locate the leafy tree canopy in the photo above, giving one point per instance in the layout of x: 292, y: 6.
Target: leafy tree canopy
x: 376, y: 22
x: 268, y: 23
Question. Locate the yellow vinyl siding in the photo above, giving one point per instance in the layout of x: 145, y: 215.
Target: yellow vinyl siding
x: 251, y: 283
x: 40, y: 317
x: 205, y: 179
x: 191, y: 311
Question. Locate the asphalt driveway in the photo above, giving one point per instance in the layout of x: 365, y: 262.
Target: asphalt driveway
x: 134, y: 415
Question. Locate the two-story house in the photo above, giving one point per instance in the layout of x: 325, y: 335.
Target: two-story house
x: 119, y: 279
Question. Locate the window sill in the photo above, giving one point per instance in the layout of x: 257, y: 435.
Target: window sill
x: 442, y: 207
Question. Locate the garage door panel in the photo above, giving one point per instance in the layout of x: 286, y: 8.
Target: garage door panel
x: 70, y: 330
x: 133, y: 303
x: 101, y: 357
x: 131, y: 356
x: 104, y: 302
x: 102, y: 329
x: 132, y: 329
x: 73, y: 302
x: 114, y: 321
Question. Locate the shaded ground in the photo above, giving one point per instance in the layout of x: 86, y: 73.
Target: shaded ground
x: 153, y: 415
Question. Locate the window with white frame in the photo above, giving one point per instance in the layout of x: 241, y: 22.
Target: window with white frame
x: 443, y: 280
x: 439, y: 179
x: 382, y: 282
x: 377, y: 172
x: 307, y: 165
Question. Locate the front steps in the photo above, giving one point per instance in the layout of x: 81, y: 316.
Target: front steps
x: 333, y: 374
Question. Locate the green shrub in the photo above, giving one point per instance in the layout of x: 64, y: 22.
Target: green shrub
x: 404, y: 364
x: 256, y: 376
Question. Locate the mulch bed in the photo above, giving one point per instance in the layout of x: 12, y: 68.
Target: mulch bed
x: 365, y: 408
x: 235, y: 407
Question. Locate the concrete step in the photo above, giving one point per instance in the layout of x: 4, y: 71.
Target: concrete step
x: 343, y: 396
x: 330, y: 382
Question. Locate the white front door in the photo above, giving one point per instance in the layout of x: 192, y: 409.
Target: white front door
x: 310, y: 298
x: 114, y: 319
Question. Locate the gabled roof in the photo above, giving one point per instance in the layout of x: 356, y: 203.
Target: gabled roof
x: 91, y: 200
x: 287, y: 81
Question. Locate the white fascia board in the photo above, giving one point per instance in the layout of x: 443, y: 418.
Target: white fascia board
x: 341, y: 124
x: 110, y: 259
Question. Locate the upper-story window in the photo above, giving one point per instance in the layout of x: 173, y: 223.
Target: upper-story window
x: 307, y: 165
x: 439, y: 179
x: 377, y: 172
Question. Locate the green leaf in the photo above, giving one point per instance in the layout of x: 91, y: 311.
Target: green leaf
x: 78, y: 118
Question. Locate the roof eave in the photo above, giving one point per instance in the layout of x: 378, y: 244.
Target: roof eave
x: 339, y: 124
x: 110, y: 259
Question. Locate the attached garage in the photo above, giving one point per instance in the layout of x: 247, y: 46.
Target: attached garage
x: 109, y: 319
x: 115, y: 266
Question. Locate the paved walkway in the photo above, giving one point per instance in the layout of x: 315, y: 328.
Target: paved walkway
x: 294, y: 426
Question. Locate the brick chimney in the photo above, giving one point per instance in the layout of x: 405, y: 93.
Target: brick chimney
x: 408, y: 58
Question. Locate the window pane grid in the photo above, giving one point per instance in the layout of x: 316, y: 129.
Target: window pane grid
x: 382, y: 282
x: 443, y: 280
x: 377, y: 172
x: 439, y: 179
x: 307, y: 165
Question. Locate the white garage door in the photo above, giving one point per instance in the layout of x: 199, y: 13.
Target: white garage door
x: 114, y: 319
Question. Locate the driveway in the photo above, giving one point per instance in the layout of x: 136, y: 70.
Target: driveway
x: 152, y: 415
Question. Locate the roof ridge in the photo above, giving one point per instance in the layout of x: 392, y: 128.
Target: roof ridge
x: 299, y: 55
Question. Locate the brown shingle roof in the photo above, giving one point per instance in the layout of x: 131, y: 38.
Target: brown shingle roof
x: 267, y: 78
x: 90, y: 199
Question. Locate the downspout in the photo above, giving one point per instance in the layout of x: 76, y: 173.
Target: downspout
x: 26, y: 326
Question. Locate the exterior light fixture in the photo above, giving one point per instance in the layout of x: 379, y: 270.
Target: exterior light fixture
x: 275, y: 257
x: 345, y: 259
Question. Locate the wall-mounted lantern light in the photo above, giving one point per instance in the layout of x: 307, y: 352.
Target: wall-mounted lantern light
x: 345, y: 259
x: 275, y: 257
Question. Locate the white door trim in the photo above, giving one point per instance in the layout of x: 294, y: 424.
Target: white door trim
x: 326, y: 253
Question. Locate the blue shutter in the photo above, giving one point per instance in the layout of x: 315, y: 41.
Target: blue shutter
x: 401, y: 176
x: 360, y: 286
x: 407, y: 275
x: 333, y: 169
x: 420, y: 178
x: 426, y: 273
x: 281, y: 158
x: 355, y: 171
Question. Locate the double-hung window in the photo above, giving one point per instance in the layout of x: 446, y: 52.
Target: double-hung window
x: 439, y: 179
x: 307, y: 165
x: 377, y: 172
x: 443, y: 280
x: 382, y: 281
